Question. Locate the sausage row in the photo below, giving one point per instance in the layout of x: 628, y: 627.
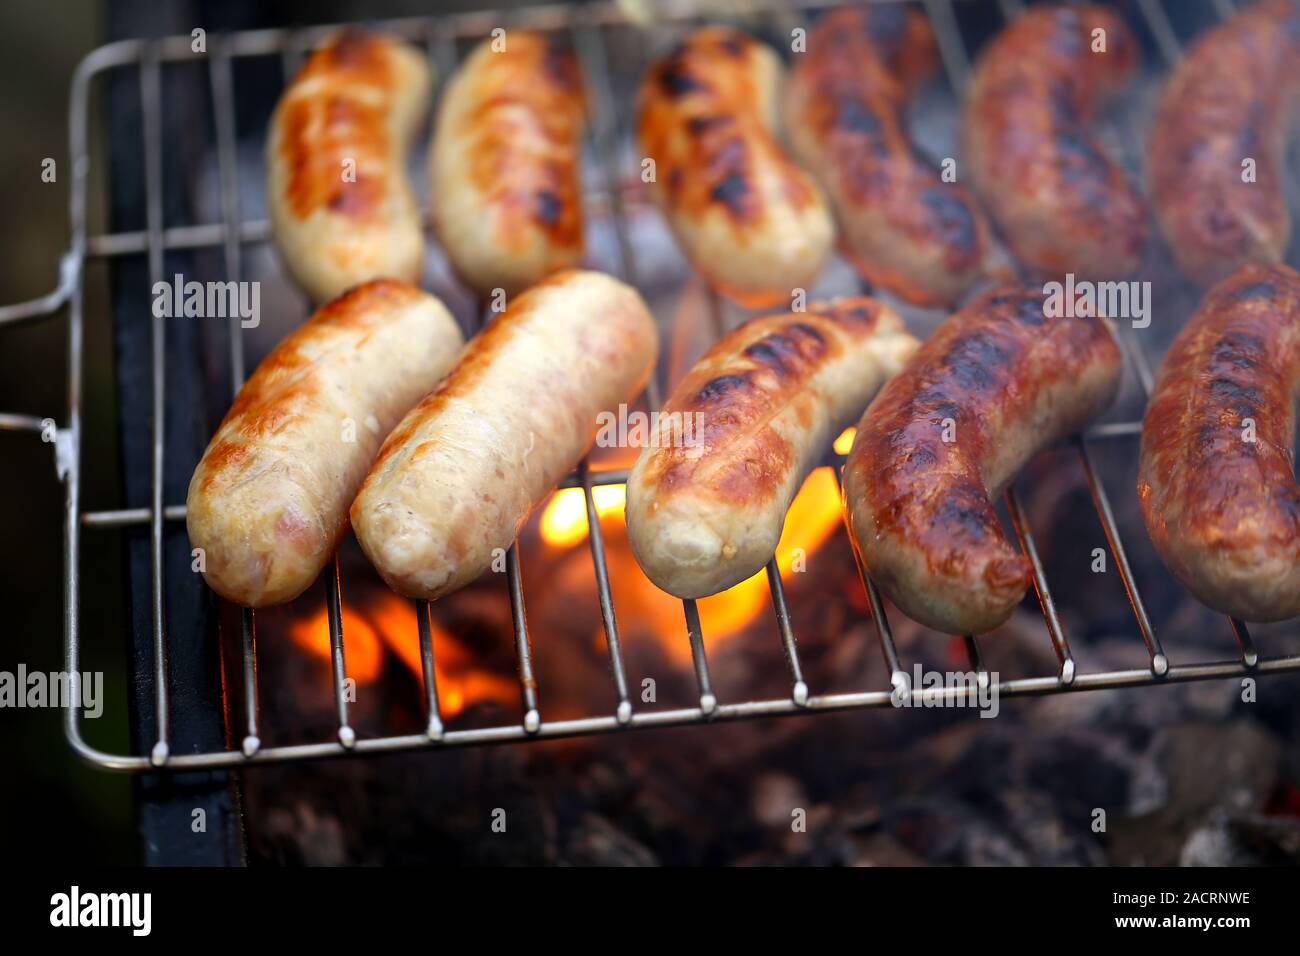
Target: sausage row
x: 952, y: 423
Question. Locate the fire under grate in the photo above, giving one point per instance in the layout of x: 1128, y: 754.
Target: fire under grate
x: 586, y: 28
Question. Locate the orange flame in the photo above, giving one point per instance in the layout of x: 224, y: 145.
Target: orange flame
x: 363, y: 652
x: 813, y: 517
x: 389, y: 622
x: 564, y: 521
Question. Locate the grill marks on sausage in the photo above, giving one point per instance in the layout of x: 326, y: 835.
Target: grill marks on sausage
x: 526, y: 125
x: 862, y: 65
x: 1237, y: 359
x: 1056, y: 195
x: 981, y: 369
x: 336, y: 109
x: 742, y: 384
x: 1209, y: 494
x: 700, y: 122
x: 1230, y: 97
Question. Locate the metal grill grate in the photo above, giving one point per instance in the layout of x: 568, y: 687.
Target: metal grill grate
x: 439, y: 37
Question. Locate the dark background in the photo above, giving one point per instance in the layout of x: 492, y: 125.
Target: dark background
x: 51, y: 805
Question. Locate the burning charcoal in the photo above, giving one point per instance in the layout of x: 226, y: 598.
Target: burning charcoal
x: 1213, y: 770
x: 1249, y: 840
x: 774, y: 797
x: 594, y: 841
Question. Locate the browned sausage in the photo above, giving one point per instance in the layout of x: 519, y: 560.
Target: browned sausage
x: 753, y: 223
x: 461, y: 473
x: 770, y: 397
x: 1233, y: 97
x: 269, y: 501
x: 1217, y: 475
x: 992, y: 385
x: 1060, y: 203
x: 901, y: 225
x: 504, y: 166
x: 342, y: 210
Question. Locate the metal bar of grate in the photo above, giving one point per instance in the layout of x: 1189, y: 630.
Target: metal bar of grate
x: 976, y: 659
x: 523, y: 647
x: 1159, y: 662
x: 798, y: 686
x: 708, y: 700
x: 338, y: 665
x: 151, y: 104
x: 897, y: 678
x: 433, y: 713
x: 232, y: 233
x: 248, y: 652
x: 596, y: 540
x: 1060, y: 643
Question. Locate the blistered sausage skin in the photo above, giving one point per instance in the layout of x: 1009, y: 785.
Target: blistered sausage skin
x: 903, y: 228
x: 993, y: 384
x: 1216, y: 478
x: 1232, y: 97
x: 269, y: 500
x: 754, y: 224
x: 504, y: 163
x: 341, y: 207
x: 705, y: 507
x: 1058, y: 200
x: 460, y: 475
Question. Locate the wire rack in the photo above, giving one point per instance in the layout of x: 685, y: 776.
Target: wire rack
x: 585, y: 26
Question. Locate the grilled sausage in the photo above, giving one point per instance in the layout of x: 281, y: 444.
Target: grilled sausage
x: 341, y: 208
x: 459, y: 476
x: 268, y: 502
x: 504, y: 164
x: 1232, y: 97
x: 995, y: 382
x: 1060, y: 203
x: 903, y: 228
x: 755, y: 225
x: 705, y: 507
x: 1216, y: 478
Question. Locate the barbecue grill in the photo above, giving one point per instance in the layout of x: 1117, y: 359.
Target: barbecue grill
x: 140, y: 63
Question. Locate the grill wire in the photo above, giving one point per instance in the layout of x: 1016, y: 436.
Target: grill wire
x: 439, y: 35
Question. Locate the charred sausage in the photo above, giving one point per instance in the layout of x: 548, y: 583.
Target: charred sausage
x: 456, y: 480
x: 993, y: 384
x: 903, y: 228
x: 504, y: 165
x: 1058, y: 200
x: 706, y: 513
x: 755, y: 225
x: 1216, y: 478
x: 341, y: 208
x: 268, y: 502
x: 1232, y: 98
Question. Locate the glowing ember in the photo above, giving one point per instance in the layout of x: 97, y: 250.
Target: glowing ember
x: 844, y: 443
